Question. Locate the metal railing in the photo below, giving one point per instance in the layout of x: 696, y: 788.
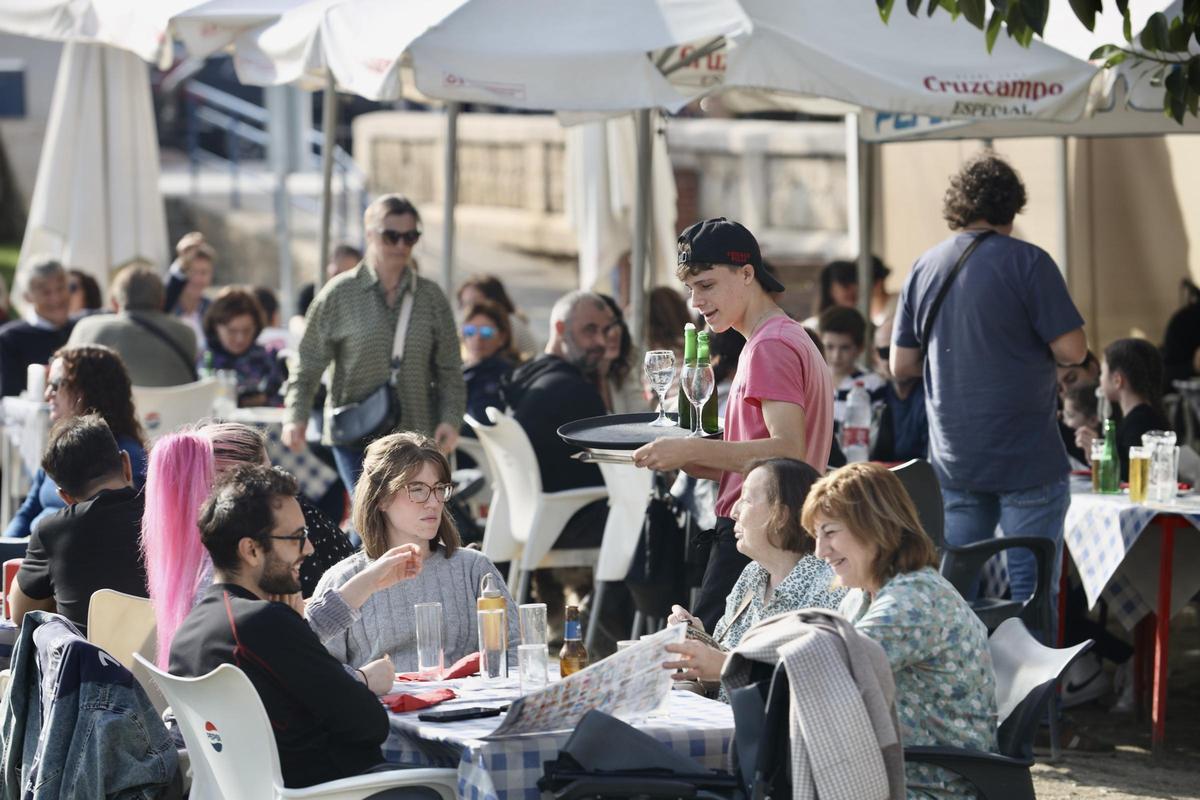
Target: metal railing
x: 242, y: 126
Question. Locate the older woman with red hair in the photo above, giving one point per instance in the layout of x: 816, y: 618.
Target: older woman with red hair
x: 866, y: 528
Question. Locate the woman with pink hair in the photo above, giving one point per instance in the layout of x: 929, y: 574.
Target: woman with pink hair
x: 183, y: 468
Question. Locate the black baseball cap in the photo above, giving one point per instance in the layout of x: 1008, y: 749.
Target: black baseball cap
x: 723, y: 241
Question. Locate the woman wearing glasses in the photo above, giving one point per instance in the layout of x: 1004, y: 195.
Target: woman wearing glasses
x: 488, y: 357
x: 352, y: 325
x: 400, y: 501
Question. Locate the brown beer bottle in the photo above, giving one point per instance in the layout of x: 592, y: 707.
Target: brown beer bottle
x: 573, y: 656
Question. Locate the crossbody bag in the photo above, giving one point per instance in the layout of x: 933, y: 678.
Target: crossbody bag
x: 357, y: 424
x: 147, y: 325
x: 927, y: 330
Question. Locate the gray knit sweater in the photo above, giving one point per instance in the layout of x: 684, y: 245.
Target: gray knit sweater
x: 385, y: 623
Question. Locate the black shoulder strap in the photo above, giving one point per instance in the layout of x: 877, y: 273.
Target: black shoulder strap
x: 174, y: 345
x: 927, y: 331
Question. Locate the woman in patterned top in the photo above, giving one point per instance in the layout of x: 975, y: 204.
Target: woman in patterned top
x: 783, y: 575
x: 866, y: 529
x: 231, y: 328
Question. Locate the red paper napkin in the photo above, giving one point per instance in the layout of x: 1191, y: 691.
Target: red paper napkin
x: 401, y: 702
x: 465, y: 667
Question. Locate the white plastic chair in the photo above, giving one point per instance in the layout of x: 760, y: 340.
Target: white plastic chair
x: 1022, y: 663
x: 629, y: 490
x: 226, y: 729
x: 536, y: 517
x: 123, y: 624
x: 498, y: 542
x: 163, y: 409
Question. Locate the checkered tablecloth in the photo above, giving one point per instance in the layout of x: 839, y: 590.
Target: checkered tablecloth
x: 1117, y: 558
x: 314, y: 475
x: 509, y: 769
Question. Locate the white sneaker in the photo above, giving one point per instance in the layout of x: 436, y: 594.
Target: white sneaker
x: 1084, y: 681
x: 1123, y: 686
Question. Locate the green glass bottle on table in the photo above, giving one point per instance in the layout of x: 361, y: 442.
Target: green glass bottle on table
x: 689, y: 357
x: 1110, y: 466
x: 708, y: 414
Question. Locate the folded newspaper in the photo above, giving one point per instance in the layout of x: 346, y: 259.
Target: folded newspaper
x: 628, y: 685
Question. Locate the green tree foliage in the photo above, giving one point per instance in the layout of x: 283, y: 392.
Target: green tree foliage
x: 1163, y: 46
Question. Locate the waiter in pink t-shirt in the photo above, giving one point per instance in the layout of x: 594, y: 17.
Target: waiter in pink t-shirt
x: 781, y: 400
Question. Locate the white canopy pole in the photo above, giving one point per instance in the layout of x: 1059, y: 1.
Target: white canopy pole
x: 328, y: 147
x: 643, y: 203
x: 858, y: 186
x: 450, y: 196
x: 1064, y: 210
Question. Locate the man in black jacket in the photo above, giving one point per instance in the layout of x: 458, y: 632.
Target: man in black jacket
x: 558, y: 387
x: 23, y: 342
x: 327, y: 724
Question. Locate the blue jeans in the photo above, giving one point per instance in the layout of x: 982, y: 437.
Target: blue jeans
x: 349, y: 462
x: 1040, y: 511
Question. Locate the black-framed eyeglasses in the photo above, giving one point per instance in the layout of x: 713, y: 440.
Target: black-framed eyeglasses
x: 301, y: 537
x: 419, y: 492
x: 395, y: 237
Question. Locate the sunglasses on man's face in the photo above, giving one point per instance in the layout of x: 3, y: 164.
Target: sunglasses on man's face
x: 395, y: 237
x: 484, y: 331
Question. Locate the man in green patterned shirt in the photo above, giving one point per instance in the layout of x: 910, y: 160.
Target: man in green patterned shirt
x: 352, y: 323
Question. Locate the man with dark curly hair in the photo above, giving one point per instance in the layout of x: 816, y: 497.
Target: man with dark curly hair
x: 988, y: 356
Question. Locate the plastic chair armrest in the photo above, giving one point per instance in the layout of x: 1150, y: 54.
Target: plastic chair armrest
x: 442, y: 781
x: 992, y: 775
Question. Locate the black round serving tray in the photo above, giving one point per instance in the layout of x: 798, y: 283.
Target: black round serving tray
x: 620, y: 432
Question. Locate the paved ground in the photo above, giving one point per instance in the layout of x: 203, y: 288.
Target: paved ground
x: 1131, y: 772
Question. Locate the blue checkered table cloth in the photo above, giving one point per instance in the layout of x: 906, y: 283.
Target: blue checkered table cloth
x: 314, y: 475
x: 1115, y: 561
x: 509, y: 769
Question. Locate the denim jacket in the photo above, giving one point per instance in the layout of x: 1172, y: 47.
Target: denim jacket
x: 77, y: 723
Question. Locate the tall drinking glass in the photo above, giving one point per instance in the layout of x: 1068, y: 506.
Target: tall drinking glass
x: 532, y: 617
x: 697, y: 383
x: 1097, y: 462
x: 493, y: 649
x: 660, y: 371
x: 430, y: 653
x: 1139, y: 473
x: 533, y: 662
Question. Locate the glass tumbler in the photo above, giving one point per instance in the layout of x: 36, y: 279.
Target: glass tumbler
x: 430, y: 653
x: 493, y: 647
x: 533, y: 662
x: 532, y: 617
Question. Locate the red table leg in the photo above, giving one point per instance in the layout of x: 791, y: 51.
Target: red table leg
x: 1158, y: 709
x: 1064, y: 586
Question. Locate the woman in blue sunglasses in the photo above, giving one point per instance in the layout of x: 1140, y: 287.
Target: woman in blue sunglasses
x: 488, y: 356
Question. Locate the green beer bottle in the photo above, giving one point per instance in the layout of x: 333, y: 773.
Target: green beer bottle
x: 1110, y: 467
x: 689, y: 357
x: 708, y: 414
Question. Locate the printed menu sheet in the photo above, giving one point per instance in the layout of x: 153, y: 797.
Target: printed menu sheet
x: 628, y: 685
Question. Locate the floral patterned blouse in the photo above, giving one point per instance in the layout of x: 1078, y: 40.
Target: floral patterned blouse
x: 945, y: 687
x: 810, y: 584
